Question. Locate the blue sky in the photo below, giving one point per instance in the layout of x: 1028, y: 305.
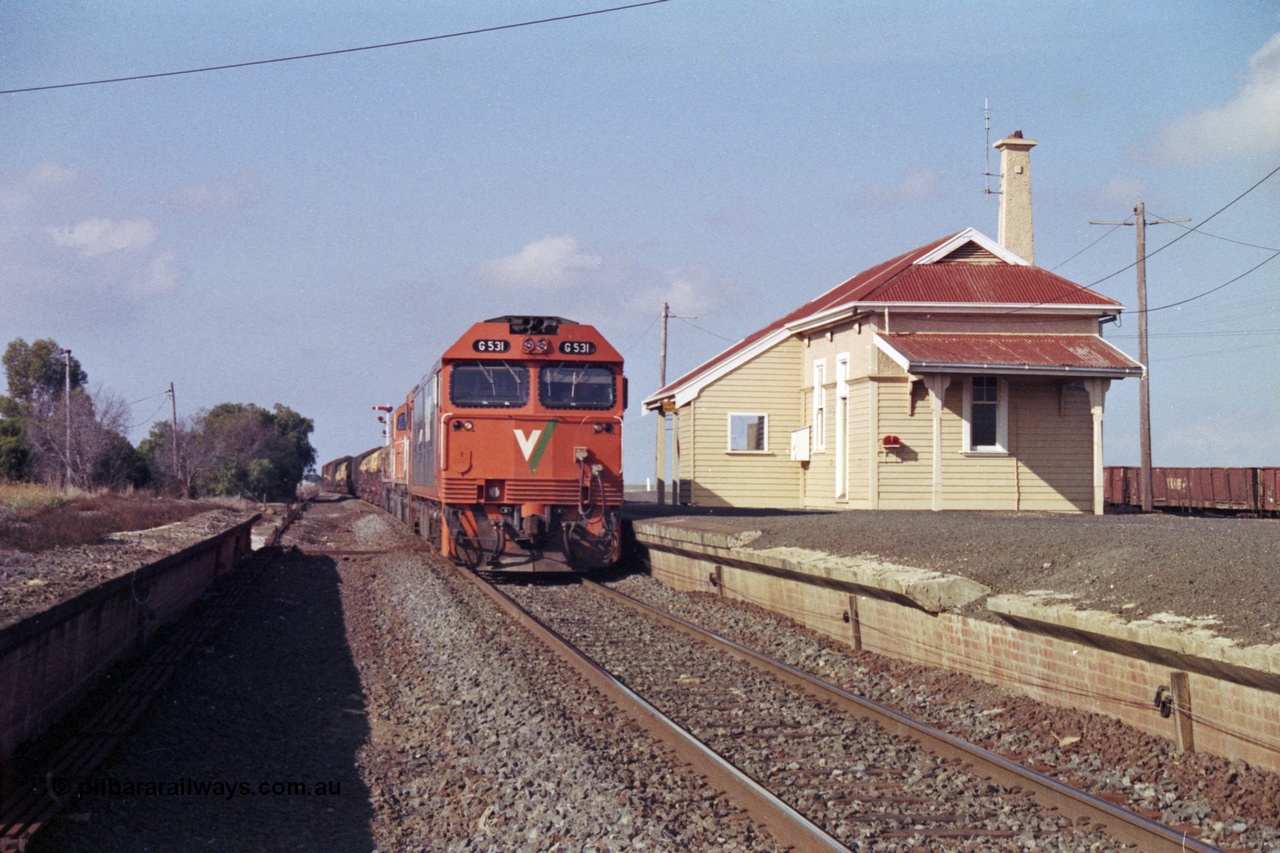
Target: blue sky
x: 315, y: 232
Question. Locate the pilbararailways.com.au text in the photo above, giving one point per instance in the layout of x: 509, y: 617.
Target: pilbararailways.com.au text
x: 107, y: 786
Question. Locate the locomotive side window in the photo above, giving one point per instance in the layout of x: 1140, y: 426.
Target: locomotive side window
x: 489, y: 384
x: 576, y: 386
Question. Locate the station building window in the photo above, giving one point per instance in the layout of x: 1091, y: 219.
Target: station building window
x: 748, y: 432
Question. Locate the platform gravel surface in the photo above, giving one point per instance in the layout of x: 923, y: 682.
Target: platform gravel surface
x: 1131, y: 565
x: 31, y: 583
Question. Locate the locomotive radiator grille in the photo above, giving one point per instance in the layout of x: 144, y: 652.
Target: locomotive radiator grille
x: 556, y: 491
x: 463, y: 490
x: 460, y: 490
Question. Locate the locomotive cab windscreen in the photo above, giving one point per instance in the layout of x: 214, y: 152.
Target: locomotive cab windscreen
x: 576, y: 386
x: 489, y: 384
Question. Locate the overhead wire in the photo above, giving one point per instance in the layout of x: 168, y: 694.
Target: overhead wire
x: 1188, y: 232
x: 1215, y: 289
x: 148, y: 418
x: 1088, y: 247
x: 706, y: 331
x: 1214, y: 236
x: 164, y: 393
x: 642, y: 335
x: 325, y: 53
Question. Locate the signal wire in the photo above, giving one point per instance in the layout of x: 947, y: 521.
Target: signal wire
x: 1086, y: 248
x: 707, y: 331
x: 1187, y: 233
x: 1274, y: 255
x: 338, y: 52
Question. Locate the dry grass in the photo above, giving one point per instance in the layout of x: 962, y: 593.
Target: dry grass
x: 37, y: 518
x: 23, y: 497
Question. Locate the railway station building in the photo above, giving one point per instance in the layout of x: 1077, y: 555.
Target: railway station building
x: 958, y: 375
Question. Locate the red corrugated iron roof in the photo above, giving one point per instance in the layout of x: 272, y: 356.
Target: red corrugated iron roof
x: 1030, y: 353
x: 905, y: 280
x: 1002, y: 284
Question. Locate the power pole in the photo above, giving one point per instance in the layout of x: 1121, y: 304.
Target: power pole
x: 1144, y: 382
x: 66, y: 404
x: 173, y: 400
x: 1140, y: 223
x: 660, y: 461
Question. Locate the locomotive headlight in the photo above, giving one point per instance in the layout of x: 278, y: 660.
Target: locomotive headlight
x: 541, y: 346
x: 495, y: 491
x: 468, y: 426
x: 599, y: 428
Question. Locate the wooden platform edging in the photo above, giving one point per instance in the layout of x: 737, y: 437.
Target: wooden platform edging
x: 50, y: 660
x: 1237, y: 717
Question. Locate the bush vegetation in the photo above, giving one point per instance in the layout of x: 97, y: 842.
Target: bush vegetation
x: 38, y: 518
x: 55, y: 432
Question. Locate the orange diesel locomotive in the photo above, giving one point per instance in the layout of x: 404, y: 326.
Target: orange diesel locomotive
x: 508, y: 454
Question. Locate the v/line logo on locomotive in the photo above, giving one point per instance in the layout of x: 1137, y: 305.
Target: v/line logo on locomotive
x: 535, y: 444
x: 449, y: 472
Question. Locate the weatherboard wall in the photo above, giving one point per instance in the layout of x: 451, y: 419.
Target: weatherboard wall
x: 766, y: 384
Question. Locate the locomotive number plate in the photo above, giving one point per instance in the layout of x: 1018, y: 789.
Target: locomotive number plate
x: 577, y: 348
x: 491, y: 345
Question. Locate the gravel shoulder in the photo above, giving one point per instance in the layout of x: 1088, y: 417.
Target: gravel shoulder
x: 1221, y: 568
x: 32, y: 582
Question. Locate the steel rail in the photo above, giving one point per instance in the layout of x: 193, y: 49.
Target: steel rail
x: 1122, y: 825
x: 786, y: 825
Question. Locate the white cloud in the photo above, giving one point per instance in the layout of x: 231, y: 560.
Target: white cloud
x: 1120, y: 193
x: 67, y: 251
x: 919, y: 183
x: 558, y: 275
x: 547, y: 264
x: 689, y: 290
x: 95, y: 237
x: 1246, y: 127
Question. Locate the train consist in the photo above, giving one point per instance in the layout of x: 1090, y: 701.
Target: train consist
x: 360, y: 476
x: 507, y: 455
x: 1244, y: 491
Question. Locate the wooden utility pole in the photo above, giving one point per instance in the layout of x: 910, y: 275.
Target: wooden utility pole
x: 173, y: 400
x: 1140, y: 223
x: 660, y: 461
x: 66, y: 404
x: 1144, y: 385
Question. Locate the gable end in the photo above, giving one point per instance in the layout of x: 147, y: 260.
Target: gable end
x: 970, y: 253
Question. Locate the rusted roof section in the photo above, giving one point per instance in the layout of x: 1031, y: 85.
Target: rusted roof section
x: 976, y: 283
x: 1083, y: 355
x: 918, y: 279
x: 831, y: 299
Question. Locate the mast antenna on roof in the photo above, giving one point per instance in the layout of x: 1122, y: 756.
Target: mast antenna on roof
x: 986, y: 125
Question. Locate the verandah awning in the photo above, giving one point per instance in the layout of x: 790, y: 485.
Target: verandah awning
x: 1008, y: 354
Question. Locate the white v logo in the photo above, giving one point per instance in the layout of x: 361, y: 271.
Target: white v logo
x: 527, y: 444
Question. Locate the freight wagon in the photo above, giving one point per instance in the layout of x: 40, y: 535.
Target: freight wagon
x: 1244, y: 491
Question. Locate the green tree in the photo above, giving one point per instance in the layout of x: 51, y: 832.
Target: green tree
x: 234, y: 449
x: 13, y: 450
x: 37, y: 376
x: 49, y: 434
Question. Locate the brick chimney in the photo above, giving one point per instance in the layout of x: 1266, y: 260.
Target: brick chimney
x: 1015, y: 196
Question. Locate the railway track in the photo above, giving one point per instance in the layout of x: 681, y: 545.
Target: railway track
x: 820, y: 768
